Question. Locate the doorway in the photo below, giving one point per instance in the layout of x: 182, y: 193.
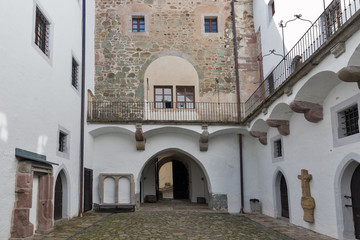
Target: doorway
x: 355, y: 197
x: 173, y: 175
x: 180, y: 180
x: 284, y: 198
x: 88, y: 187
x: 58, y: 203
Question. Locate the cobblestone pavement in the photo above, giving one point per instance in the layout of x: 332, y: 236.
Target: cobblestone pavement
x: 177, y: 221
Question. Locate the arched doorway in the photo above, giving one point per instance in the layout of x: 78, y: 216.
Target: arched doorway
x: 58, y: 200
x: 281, y: 196
x: 355, y: 197
x: 284, y: 198
x: 185, y: 178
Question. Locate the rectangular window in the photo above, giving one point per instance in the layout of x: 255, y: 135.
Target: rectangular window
x: 138, y: 24
x: 348, y: 120
x: 42, y: 32
x: 75, y: 74
x: 62, y: 142
x: 277, y: 148
x: 185, y: 97
x: 163, y: 97
x: 210, y: 24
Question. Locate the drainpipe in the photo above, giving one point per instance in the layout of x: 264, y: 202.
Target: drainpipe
x: 236, y: 63
x: 82, y: 118
x: 241, y: 174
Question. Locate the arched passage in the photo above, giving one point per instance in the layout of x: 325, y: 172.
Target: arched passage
x: 190, y: 181
x: 281, y: 196
x: 347, y: 192
x: 61, y: 196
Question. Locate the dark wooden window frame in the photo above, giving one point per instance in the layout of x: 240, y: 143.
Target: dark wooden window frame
x: 42, y: 32
x: 208, y: 21
x: 138, y: 24
x: 185, y: 102
x: 165, y: 105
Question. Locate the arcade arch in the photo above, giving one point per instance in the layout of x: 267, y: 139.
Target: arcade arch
x: 190, y: 180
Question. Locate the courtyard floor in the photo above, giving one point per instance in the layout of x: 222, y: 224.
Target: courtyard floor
x: 177, y: 220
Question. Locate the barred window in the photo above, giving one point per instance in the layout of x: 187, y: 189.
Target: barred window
x: 277, y: 148
x: 75, y: 74
x: 348, y: 120
x: 62, y: 142
x: 211, y: 25
x: 138, y: 24
x: 42, y: 32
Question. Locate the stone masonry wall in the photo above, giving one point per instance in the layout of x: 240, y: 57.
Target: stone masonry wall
x: 174, y: 26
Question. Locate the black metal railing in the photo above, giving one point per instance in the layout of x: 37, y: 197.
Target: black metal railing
x: 201, y: 112
x: 329, y: 22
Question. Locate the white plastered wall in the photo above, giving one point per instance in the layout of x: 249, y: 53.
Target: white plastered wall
x: 36, y: 94
x: 115, y: 152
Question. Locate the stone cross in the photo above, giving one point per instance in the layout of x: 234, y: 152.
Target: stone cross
x: 307, y: 202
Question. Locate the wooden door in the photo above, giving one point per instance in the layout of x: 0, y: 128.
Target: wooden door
x: 180, y: 181
x: 88, y: 186
x: 284, y: 198
x: 58, y: 199
x: 355, y: 196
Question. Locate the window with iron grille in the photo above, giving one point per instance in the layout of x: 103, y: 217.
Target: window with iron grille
x: 62, y: 142
x: 75, y: 74
x: 185, y: 97
x: 138, y: 24
x: 277, y: 148
x: 348, y: 121
x: 163, y: 97
x: 210, y: 24
x: 42, y: 32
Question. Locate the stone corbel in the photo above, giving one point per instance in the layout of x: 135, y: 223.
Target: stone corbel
x: 204, y: 139
x: 281, y: 125
x: 262, y: 136
x: 139, y: 137
x: 312, y: 112
x: 350, y: 74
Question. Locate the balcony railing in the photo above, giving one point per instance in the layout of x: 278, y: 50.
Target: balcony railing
x: 202, y: 112
x: 320, y: 31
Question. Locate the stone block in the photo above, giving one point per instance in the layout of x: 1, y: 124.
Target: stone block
x: 21, y: 227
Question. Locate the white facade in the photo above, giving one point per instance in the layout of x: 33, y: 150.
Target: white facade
x: 311, y: 146
x: 37, y: 97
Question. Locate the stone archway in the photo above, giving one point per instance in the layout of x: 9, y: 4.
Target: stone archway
x: 196, y: 187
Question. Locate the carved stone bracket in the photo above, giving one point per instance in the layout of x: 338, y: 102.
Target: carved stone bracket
x: 262, y: 136
x: 204, y: 139
x: 338, y: 49
x: 281, y: 125
x: 307, y: 202
x: 350, y: 74
x: 140, y: 138
x: 312, y: 112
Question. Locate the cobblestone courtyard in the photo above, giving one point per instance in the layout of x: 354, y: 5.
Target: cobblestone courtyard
x: 177, y: 222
